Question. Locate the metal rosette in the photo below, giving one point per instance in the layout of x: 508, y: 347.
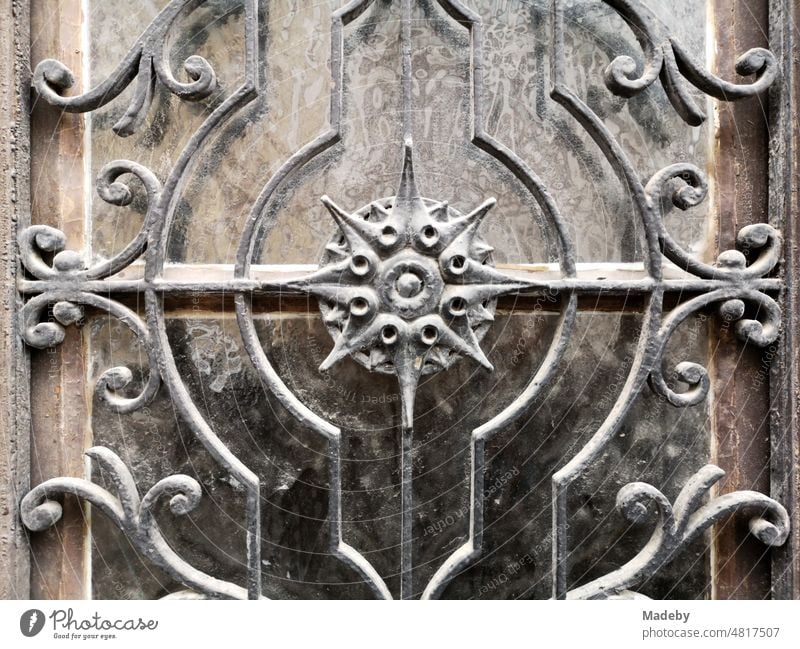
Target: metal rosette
x: 411, y: 285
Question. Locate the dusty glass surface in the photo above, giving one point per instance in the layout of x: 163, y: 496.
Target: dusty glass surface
x: 291, y: 461
x: 293, y: 108
x: 659, y: 444
x: 213, y: 30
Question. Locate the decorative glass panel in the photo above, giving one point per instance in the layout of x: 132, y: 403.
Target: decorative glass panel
x: 407, y: 299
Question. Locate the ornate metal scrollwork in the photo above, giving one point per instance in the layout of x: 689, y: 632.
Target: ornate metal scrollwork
x: 666, y: 59
x: 689, y: 190
x: 132, y: 514
x: 406, y: 287
x: 679, y: 524
x: 147, y: 62
x: 68, y: 264
x: 67, y: 310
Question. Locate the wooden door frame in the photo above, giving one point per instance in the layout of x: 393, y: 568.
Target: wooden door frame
x: 14, y: 214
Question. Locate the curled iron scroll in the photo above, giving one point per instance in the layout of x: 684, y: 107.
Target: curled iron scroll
x: 664, y: 57
x: 676, y: 526
x: 667, y: 59
x: 146, y: 61
x: 132, y: 514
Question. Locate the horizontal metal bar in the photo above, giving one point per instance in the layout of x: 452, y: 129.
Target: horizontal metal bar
x: 185, y: 279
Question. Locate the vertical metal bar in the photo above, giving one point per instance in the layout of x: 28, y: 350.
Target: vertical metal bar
x: 14, y: 215
x: 407, y: 459
x: 408, y: 102
x: 407, y: 503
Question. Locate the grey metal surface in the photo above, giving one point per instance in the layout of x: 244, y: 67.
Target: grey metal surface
x: 407, y: 289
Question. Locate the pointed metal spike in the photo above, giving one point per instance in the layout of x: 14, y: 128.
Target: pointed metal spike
x: 440, y: 211
x: 378, y: 213
x: 468, y: 346
x: 408, y: 191
x: 359, y: 233
x: 339, y: 351
x: 459, y: 233
x: 343, y: 220
x: 408, y: 206
x: 322, y: 282
x: 463, y: 230
x: 337, y: 212
x: 353, y: 337
x: 474, y: 343
x: 477, y: 215
x: 496, y: 280
x: 407, y: 367
x: 478, y: 355
x: 480, y: 314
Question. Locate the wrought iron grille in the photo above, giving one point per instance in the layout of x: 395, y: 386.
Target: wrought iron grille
x: 408, y: 287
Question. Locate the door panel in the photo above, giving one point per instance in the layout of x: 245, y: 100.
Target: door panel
x: 395, y: 392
